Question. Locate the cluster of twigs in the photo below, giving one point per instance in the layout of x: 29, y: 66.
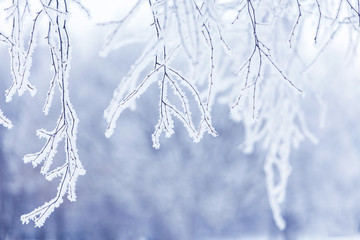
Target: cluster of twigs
x: 280, y: 126
x: 192, y: 34
x: 55, y: 12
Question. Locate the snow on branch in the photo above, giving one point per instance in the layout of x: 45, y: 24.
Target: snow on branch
x: 280, y: 129
x: 181, y: 29
x: 269, y: 108
x: 58, y: 40
x: 20, y: 54
x: 256, y: 58
x: 277, y: 123
x: 5, y: 121
x: 197, y: 31
x: 189, y: 48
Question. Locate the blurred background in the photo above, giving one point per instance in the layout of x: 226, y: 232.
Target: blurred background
x: 208, y: 190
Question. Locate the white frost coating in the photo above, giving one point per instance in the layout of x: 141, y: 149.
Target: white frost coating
x: 125, y: 94
x: 40, y: 214
x: 20, y: 55
x: 205, y: 123
x: 50, y: 93
x: 67, y: 185
x: 66, y: 127
x: 5, y: 121
x: 279, y: 129
x: 190, y: 29
x: 277, y: 169
x: 48, y: 152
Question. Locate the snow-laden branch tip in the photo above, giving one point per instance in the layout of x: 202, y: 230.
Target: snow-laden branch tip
x: 5, y: 121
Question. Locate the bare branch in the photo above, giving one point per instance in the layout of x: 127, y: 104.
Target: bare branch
x: 318, y: 25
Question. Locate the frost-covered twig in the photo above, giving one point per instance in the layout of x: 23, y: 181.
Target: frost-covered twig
x: 260, y: 51
x: 20, y: 55
x: 319, y: 21
x: 55, y: 11
x: 280, y: 129
x: 278, y: 125
x: 5, y: 121
x: 181, y: 27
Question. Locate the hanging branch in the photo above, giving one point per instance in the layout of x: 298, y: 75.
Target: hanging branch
x: 260, y: 51
x: 20, y: 55
x: 292, y: 34
x: 56, y: 12
x: 5, y: 121
x: 191, y: 21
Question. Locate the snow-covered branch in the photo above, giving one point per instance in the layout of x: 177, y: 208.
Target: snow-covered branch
x: 181, y: 29
x: 55, y: 12
x: 240, y: 52
x: 66, y: 129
